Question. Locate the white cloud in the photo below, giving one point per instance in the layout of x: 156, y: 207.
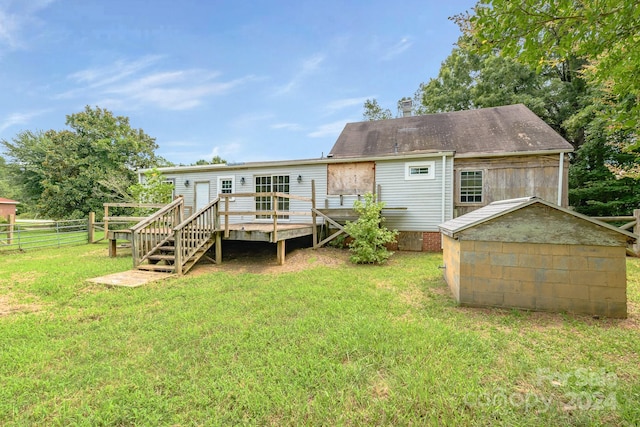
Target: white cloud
x: 330, y: 129
x: 286, y: 126
x: 134, y: 85
x: 308, y: 67
x: 96, y: 77
x: 18, y: 17
x: 395, y: 50
x: 346, y: 102
x: 19, y: 119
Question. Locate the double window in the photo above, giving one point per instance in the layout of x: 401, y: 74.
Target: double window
x: 268, y: 184
x: 470, y: 186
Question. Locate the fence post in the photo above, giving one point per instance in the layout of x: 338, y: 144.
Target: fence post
x: 636, y: 231
x: 12, y: 222
x: 106, y: 221
x: 91, y: 226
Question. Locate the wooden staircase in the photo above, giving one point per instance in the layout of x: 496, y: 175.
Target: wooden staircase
x: 164, y: 242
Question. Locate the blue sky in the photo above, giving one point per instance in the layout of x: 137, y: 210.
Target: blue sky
x: 245, y: 80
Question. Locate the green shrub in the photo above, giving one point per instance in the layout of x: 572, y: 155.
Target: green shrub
x: 368, y: 233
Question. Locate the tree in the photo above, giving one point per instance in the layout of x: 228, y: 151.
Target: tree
x: 600, y: 182
x: 604, y: 33
x: 373, y: 111
x: 368, y: 233
x: 469, y: 80
x: 63, y: 172
x: 216, y: 160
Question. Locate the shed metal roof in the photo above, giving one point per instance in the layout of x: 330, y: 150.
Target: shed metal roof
x: 509, y: 129
x: 503, y: 207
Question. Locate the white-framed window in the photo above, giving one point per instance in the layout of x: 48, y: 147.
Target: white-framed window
x: 227, y: 185
x: 471, y: 186
x: 420, y: 170
x: 268, y: 184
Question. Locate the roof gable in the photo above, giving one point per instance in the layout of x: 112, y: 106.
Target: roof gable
x: 507, y: 129
x: 533, y: 220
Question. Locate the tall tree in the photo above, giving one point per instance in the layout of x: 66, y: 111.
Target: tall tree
x: 469, y: 80
x: 602, y: 32
x: 6, y: 189
x: 64, y: 171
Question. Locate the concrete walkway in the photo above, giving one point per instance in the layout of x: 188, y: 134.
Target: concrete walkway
x: 131, y: 278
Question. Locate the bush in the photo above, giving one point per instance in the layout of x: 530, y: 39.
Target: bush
x: 368, y: 233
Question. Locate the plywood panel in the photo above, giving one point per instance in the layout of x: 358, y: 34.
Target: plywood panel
x: 351, y: 178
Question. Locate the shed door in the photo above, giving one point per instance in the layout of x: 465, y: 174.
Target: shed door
x: 202, y: 194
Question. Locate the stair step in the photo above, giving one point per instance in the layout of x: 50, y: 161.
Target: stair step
x: 167, y: 248
x: 156, y: 267
x: 162, y: 257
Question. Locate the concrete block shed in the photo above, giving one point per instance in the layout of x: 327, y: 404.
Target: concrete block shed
x: 531, y: 254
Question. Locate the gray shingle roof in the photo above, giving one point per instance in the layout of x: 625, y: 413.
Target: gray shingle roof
x: 507, y: 129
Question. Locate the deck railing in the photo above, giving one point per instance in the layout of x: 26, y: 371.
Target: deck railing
x: 154, y: 231
x: 273, y: 213
x: 194, y: 233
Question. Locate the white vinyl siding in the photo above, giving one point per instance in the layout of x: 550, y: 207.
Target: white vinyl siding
x: 422, y: 198
x: 317, y: 172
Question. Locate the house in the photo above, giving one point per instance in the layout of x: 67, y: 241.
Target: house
x: 7, y: 207
x: 532, y: 254
x: 427, y: 169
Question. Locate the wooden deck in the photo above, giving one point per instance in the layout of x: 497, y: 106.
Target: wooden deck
x: 253, y: 231
x: 264, y: 232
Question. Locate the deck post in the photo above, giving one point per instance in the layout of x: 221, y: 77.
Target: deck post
x: 313, y: 213
x: 636, y: 231
x: 274, y: 237
x: 112, y: 249
x: 218, y: 247
x: 281, y: 251
x: 226, y: 216
x: 91, y: 226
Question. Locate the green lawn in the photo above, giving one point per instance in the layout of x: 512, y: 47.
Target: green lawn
x: 353, y: 345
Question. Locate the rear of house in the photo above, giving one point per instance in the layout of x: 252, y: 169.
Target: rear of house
x: 426, y: 169
x: 496, y: 153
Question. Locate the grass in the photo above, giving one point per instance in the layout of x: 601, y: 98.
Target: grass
x: 355, y: 345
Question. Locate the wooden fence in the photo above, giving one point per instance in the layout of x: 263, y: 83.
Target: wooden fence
x: 631, y: 222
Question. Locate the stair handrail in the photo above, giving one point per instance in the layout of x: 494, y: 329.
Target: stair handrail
x: 194, y: 232
x: 178, y: 201
x: 153, y: 231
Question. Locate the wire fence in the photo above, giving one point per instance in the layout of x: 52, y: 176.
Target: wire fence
x: 32, y: 234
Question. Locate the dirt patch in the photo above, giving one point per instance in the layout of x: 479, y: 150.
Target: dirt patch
x: 9, y: 305
x: 260, y: 258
